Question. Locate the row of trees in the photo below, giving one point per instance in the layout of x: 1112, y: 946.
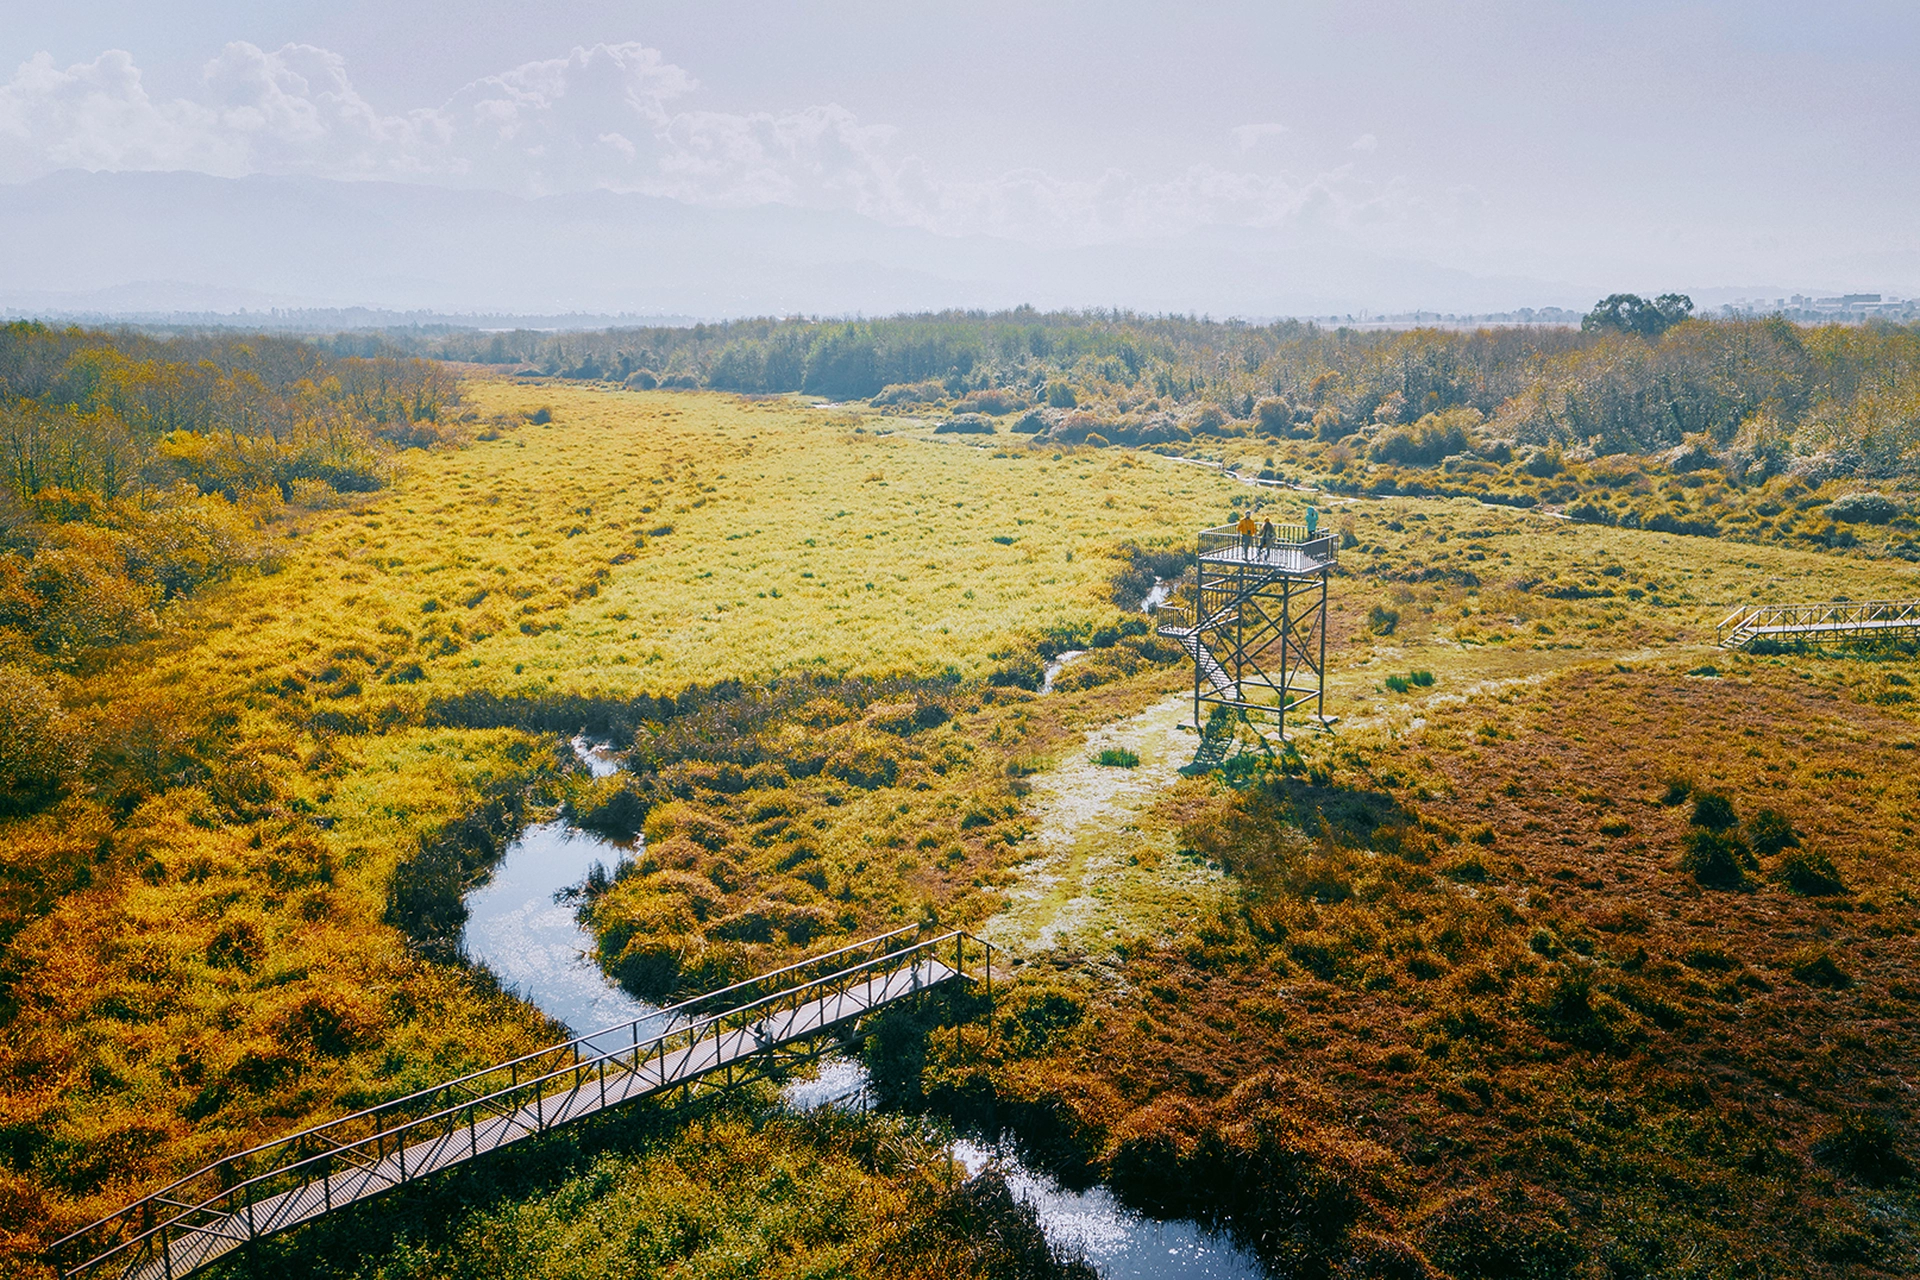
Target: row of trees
x: 1638, y: 376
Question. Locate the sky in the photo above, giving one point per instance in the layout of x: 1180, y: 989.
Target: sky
x: 1624, y: 144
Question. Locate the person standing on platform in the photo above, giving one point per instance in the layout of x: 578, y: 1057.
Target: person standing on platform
x: 1266, y: 540
x: 1246, y: 527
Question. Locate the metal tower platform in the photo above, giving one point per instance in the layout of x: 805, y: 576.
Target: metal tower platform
x: 1254, y: 618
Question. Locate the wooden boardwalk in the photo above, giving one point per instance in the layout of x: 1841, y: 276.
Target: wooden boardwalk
x: 1836, y: 620
x: 296, y: 1180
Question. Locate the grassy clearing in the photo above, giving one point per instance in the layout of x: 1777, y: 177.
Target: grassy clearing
x: 1103, y: 865
x: 677, y: 538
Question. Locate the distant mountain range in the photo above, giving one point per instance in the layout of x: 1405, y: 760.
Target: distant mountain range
x: 167, y: 243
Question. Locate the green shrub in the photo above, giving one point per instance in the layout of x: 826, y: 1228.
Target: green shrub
x: 971, y: 424
x: 1033, y: 1015
x: 1118, y: 757
x: 1542, y: 463
x: 1428, y: 440
x: 996, y: 401
x: 1717, y: 860
x: 1274, y: 416
x: 1768, y: 831
x: 1420, y: 679
x: 1397, y: 684
x: 1864, y: 508
x: 1810, y: 873
x: 1712, y: 810
x: 1382, y: 620
x: 931, y: 391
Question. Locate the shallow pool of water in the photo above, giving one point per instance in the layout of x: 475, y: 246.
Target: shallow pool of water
x: 519, y: 927
x: 1120, y: 1243
x: 1054, y: 668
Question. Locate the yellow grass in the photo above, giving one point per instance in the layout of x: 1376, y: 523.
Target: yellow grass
x: 540, y: 560
x: 800, y: 541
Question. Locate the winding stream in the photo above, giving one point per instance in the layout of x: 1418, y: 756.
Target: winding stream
x: 1054, y: 668
x: 520, y: 927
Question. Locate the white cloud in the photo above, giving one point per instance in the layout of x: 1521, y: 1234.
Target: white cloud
x: 1249, y: 136
x: 1366, y: 142
x: 614, y: 117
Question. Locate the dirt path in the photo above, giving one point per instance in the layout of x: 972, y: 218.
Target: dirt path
x: 1105, y: 869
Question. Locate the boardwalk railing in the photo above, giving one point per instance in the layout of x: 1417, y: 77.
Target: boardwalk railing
x: 734, y: 1032
x: 1832, y: 620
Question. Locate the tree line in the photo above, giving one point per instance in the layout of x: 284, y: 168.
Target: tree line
x: 1638, y: 377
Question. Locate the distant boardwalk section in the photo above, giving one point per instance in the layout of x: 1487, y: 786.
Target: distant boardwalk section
x: 1831, y: 621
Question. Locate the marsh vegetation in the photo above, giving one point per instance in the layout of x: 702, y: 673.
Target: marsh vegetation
x: 1580, y: 948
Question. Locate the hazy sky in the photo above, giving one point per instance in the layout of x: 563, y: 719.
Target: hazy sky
x: 1629, y: 143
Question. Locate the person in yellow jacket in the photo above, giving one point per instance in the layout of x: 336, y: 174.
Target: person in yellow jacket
x: 1246, y: 528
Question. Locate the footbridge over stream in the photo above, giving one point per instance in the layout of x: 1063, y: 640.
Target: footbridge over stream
x: 722, y: 1038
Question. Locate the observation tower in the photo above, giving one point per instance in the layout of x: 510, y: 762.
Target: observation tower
x: 1254, y: 618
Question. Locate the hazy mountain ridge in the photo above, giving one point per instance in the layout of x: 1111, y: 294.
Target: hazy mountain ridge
x: 183, y: 242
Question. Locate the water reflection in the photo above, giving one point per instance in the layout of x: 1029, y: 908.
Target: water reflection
x: 597, y: 756
x: 1121, y: 1244
x: 841, y: 1082
x: 518, y: 927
